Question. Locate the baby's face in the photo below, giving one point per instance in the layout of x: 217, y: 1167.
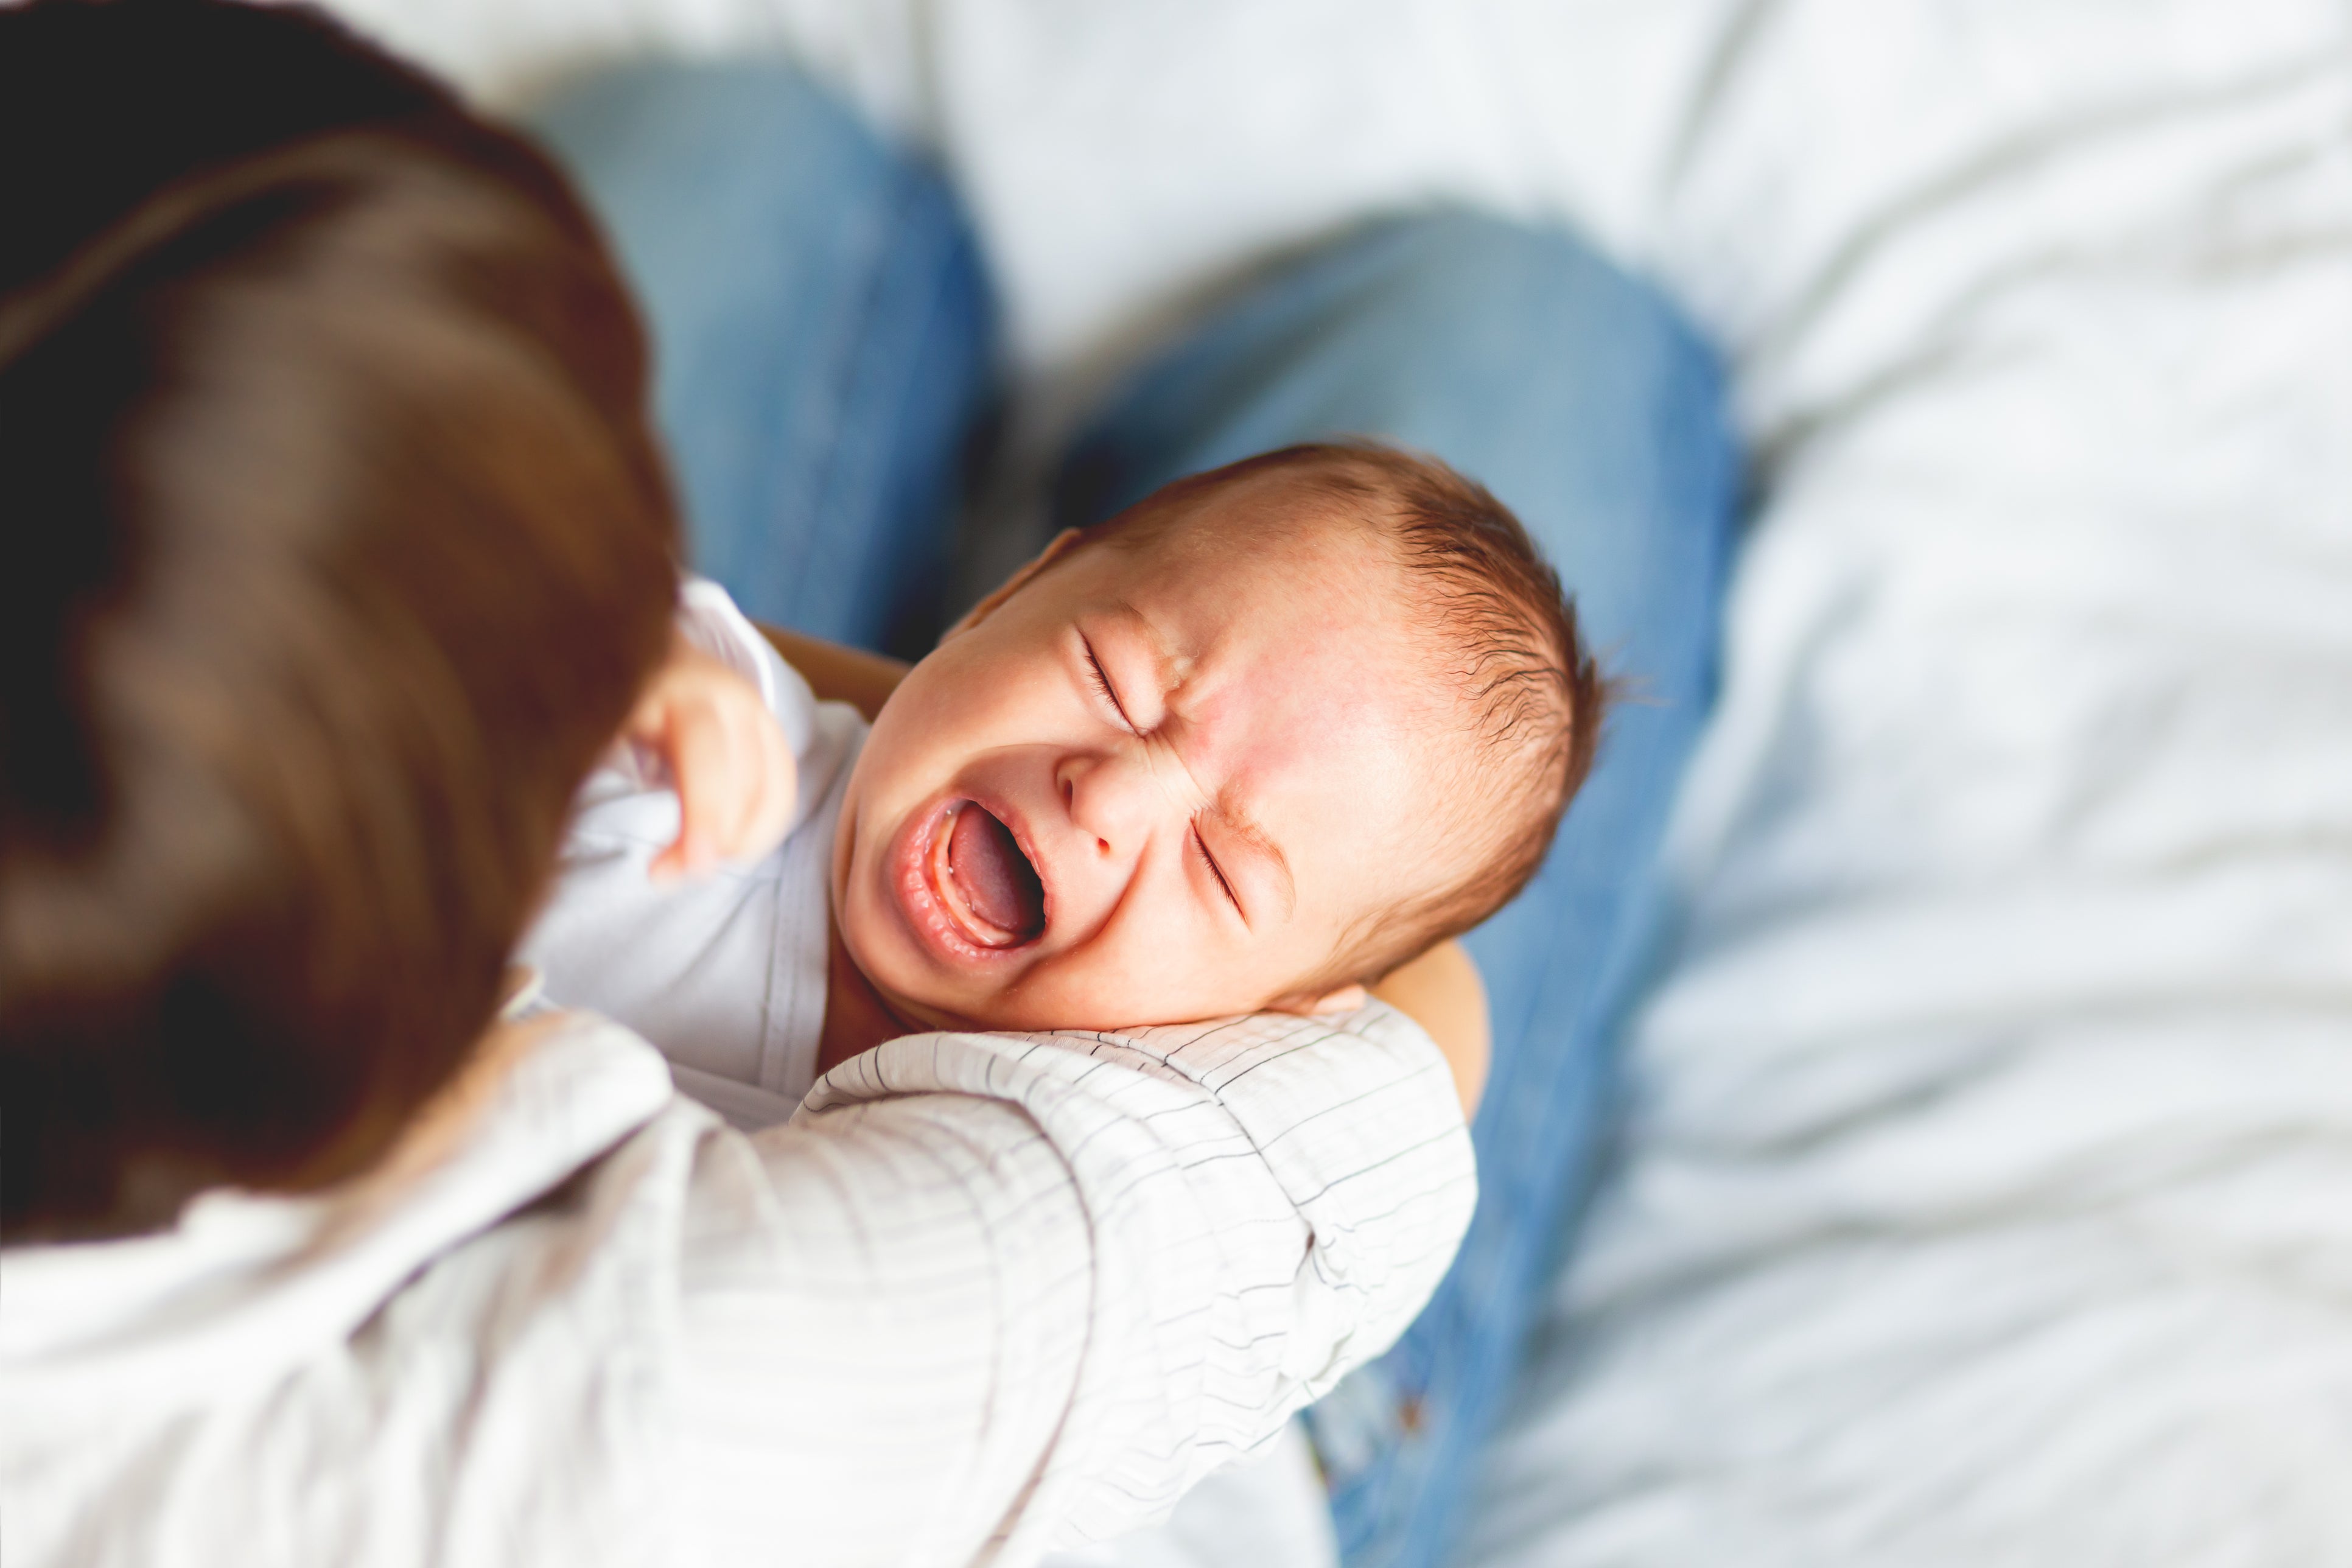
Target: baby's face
x: 1150, y: 787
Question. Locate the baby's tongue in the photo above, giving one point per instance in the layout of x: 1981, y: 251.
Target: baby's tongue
x: 995, y: 877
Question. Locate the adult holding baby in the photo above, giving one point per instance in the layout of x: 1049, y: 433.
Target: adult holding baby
x: 827, y: 350
x: 341, y: 551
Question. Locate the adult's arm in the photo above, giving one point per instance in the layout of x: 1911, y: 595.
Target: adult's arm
x: 1441, y: 990
x: 1023, y: 1291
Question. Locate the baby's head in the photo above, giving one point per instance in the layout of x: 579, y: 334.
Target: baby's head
x: 1272, y: 731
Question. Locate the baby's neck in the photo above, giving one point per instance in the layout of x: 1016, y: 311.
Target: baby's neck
x: 856, y: 1018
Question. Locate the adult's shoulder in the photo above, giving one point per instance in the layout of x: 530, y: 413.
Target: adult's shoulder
x: 437, y: 1351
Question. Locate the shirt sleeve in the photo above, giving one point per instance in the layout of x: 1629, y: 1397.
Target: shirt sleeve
x: 987, y: 1294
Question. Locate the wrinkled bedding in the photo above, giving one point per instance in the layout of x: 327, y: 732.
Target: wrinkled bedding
x: 1986, y: 1191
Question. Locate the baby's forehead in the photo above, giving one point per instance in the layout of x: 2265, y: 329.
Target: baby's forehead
x: 1279, y: 548
x: 1323, y: 603
x: 1274, y: 505
x: 1377, y: 738
x: 1309, y: 577
x: 1315, y: 627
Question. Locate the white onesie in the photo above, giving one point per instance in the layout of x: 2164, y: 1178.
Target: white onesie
x: 726, y: 971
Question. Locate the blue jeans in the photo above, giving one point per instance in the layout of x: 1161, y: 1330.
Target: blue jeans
x: 825, y: 338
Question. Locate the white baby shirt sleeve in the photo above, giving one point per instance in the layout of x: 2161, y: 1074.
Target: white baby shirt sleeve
x: 724, y: 972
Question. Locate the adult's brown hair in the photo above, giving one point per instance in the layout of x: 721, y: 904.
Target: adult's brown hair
x: 336, y: 548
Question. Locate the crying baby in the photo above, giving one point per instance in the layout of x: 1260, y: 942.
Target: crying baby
x: 1249, y: 745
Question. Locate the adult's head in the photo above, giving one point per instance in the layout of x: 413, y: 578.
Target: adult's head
x: 335, y: 547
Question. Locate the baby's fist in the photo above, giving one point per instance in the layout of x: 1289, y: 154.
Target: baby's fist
x: 726, y: 756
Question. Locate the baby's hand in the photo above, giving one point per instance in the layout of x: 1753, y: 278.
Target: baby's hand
x: 726, y: 756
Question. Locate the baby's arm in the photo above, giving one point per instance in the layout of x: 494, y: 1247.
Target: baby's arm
x: 730, y: 764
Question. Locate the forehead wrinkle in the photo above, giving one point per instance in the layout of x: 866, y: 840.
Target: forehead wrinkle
x: 1175, y: 672
x: 1171, y: 672
x: 1172, y: 667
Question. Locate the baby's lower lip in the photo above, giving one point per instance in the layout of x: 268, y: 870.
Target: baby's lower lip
x: 975, y: 927
x: 932, y: 909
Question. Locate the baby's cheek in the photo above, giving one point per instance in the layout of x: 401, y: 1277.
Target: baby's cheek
x: 950, y: 708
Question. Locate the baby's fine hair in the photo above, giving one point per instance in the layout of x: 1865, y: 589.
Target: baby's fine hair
x: 1501, y: 629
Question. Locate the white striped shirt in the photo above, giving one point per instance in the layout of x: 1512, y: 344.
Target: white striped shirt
x: 982, y: 1295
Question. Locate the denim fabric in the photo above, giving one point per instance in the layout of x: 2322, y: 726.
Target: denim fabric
x: 825, y: 341
x: 824, y: 336
x: 1582, y: 399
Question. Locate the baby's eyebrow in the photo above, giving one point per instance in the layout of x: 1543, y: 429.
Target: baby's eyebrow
x: 1243, y: 829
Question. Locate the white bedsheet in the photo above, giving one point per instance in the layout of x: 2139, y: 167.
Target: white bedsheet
x: 1990, y: 1186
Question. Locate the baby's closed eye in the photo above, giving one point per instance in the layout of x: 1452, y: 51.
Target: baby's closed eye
x: 1208, y: 858
x: 1101, y: 678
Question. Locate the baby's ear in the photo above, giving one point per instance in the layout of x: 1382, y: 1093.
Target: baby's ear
x: 1060, y: 545
x: 1346, y: 999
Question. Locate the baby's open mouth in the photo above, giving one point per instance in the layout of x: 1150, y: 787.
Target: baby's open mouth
x: 988, y: 885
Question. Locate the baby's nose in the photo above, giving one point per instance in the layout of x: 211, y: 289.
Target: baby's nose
x: 1109, y: 798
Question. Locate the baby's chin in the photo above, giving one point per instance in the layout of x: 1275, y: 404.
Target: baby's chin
x: 923, y: 1005
x: 917, y: 1002
x: 1026, y: 1012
